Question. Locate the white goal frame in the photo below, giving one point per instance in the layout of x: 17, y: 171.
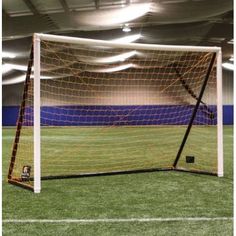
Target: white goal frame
x: 64, y: 39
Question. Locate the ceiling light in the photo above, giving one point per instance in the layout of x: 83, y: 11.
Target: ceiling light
x: 112, y: 59
x: 126, y: 28
x: 21, y: 79
x: 116, y: 16
x: 15, y: 80
x: 113, y: 69
x: 6, y: 69
x: 127, y: 39
x: 15, y: 67
x: 228, y: 66
x: 174, y: 1
x: 8, y: 55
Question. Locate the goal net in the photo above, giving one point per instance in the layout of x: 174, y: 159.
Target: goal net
x: 94, y: 107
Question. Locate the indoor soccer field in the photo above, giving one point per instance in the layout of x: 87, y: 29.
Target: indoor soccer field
x: 170, y: 203
x: 117, y: 117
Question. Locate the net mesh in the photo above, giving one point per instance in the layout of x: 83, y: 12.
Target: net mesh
x: 107, y: 109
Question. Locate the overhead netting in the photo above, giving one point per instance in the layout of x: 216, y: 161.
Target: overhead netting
x: 112, y: 109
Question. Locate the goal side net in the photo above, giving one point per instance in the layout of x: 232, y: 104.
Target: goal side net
x: 93, y: 107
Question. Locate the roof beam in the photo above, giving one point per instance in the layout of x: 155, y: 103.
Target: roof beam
x: 31, y: 6
x: 64, y: 5
x: 46, y: 16
x: 97, y: 4
x: 4, y: 14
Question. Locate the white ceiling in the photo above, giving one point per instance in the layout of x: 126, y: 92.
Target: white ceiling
x: 185, y: 22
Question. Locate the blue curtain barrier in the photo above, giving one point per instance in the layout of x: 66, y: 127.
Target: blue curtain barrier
x: 119, y: 115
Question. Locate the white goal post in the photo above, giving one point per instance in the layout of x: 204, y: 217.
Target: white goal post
x: 210, y: 59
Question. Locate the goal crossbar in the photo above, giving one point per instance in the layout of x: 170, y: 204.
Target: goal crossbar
x: 96, y: 42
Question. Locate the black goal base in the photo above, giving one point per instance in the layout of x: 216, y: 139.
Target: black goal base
x: 85, y: 175
x: 196, y: 171
x: 20, y: 183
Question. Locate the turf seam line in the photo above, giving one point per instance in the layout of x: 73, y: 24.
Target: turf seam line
x: 117, y: 220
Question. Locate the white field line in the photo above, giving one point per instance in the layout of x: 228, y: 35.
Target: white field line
x: 118, y: 220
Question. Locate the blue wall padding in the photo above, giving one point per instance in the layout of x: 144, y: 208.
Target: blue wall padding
x: 228, y: 114
x: 118, y: 115
x: 9, y: 115
x: 121, y: 115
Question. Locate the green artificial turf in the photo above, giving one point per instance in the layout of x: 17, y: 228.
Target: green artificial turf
x: 116, y: 229
x: 146, y: 195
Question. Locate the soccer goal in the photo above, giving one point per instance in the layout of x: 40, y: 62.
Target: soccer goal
x: 93, y: 107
